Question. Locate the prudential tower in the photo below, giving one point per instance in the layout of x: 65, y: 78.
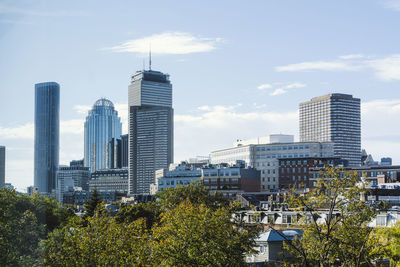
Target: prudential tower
x: 150, y: 128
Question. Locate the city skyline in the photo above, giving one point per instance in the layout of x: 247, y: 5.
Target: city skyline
x: 230, y: 81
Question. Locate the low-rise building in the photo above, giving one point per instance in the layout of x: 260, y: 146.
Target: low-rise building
x: 109, y: 180
x: 68, y: 177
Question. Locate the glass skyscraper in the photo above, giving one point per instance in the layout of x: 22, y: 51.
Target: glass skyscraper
x: 150, y: 128
x: 335, y: 118
x: 102, y: 129
x: 47, y: 127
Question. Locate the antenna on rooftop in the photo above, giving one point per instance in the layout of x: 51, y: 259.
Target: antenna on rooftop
x: 150, y: 58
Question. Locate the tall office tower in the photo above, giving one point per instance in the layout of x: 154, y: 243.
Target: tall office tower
x: 2, y: 166
x: 47, y: 128
x: 102, y: 125
x: 124, y: 151
x: 335, y: 118
x: 150, y: 128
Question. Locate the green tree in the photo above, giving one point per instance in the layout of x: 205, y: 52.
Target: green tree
x: 195, y: 192
x: 389, y: 238
x: 196, y: 235
x: 343, y: 237
x: 93, y: 203
x: 148, y: 211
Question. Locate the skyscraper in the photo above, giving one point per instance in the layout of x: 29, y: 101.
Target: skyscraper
x: 335, y: 118
x: 2, y: 166
x: 150, y: 128
x: 47, y: 121
x: 102, y: 128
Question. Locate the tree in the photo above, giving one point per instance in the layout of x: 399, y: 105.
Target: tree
x: 148, y: 211
x: 389, y: 238
x: 193, y: 234
x: 343, y: 236
x: 94, y: 201
x: 195, y: 192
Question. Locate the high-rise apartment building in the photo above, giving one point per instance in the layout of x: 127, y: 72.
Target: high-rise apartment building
x: 333, y: 118
x: 47, y: 128
x: 2, y: 166
x: 150, y: 128
x: 102, y: 129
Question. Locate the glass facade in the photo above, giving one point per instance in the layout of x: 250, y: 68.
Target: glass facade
x: 47, y: 121
x: 150, y: 128
x: 102, y: 130
x: 335, y: 118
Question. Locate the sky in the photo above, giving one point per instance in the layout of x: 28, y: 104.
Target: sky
x: 239, y: 69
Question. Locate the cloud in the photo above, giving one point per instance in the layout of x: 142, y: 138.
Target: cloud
x: 168, y: 43
x: 384, y: 68
x: 6, y: 9
x: 391, y: 4
x: 279, y: 91
x: 264, y: 86
x: 24, y: 131
x: 318, y: 65
x: 387, y: 68
x: 82, y: 109
x: 352, y: 56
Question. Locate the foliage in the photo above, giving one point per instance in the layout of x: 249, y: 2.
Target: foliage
x: 130, y: 213
x: 100, y: 242
x: 24, y: 221
x: 196, y: 235
x: 343, y: 237
x: 94, y: 201
x: 389, y: 238
x: 195, y: 192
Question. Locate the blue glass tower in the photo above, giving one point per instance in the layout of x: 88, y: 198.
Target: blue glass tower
x: 102, y: 128
x: 47, y: 128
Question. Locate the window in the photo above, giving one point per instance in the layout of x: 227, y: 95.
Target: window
x: 262, y: 249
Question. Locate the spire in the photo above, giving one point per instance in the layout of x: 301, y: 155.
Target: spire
x: 150, y: 58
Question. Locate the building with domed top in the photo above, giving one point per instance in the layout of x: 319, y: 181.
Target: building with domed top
x: 102, y: 136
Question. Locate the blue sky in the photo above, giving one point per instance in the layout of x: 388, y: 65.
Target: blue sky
x: 239, y: 68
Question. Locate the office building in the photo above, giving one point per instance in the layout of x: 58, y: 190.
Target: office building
x: 102, y: 128
x: 183, y: 174
x: 124, y: 151
x: 150, y: 128
x: 231, y: 179
x: 115, y: 180
x: 265, y: 157
x: 333, y: 118
x: 386, y: 161
x: 47, y: 127
x: 72, y: 177
x: 2, y: 166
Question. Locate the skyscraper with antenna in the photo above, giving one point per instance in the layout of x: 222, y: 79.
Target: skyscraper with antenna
x: 150, y: 127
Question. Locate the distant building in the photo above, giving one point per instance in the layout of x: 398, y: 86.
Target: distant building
x: 47, y: 127
x: 295, y: 173
x: 386, y: 161
x: 102, y: 129
x: 2, y: 166
x: 115, y: 180
x: 183, y: 174
x: 265, y: 157
x: 333, y: 118
x: 150, y: 128
x: 71, y: 177
x: 9, y: 186
x: 231, y: 180
x: 270, y: 139
x: 30, y: 190
x: 124, y: 155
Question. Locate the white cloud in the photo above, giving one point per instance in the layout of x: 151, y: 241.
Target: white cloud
x: 318, y: 65
x: 392, y: 4
x: 295, y: 85
x: 387, y: 68
x: 279, y: 91
x: 352, y: 56
x: 82, y: 109
x: 25, y: 131
x: 264, y: 86
x: 168, y: 43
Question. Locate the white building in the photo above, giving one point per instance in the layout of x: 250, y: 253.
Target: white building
x: 265, y: 157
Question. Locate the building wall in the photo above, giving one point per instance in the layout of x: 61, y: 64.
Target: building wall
x: 102, y: 129
x: 73, y: 176
x: 335, y: 118
x: 109, y: 180
x: 265, y: 157
x: 150, y: 128
x: 46, y: 154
